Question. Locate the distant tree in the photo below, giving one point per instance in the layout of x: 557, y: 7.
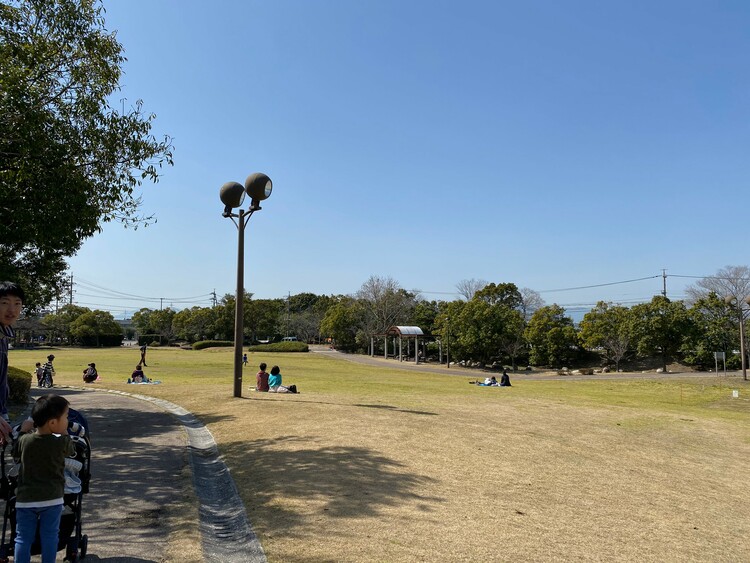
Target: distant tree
x: 385, y: 303
x: 68, y: 161
x: 505, y: 294
x: 160, y: 322
x: 97, y: 328
x: 607, y: 327
x: 530, y: 302
x: 58, y: 324
x: 341, y: 322
x: 659, y: 327
x: 303, y: 315
x: 730, y: 281
x: 512, y: 343
x: 552, y: 337
x: 194, y: 324
x: 467, y: 288
x: 711, y: 330
x: 142, y: 321
x: 448, y: 326
x: 423, y: 315
x: 305, y: 325
x: 262, y: 318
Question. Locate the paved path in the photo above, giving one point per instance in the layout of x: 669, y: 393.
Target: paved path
x: 380, y: 361
x: 139, y: 449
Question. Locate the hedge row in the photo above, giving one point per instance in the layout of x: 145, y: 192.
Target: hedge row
x: 280, y: 347
x: 20, y: 385
x: 211, y: 343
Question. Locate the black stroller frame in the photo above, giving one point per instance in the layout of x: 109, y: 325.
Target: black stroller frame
x: 70, y: 537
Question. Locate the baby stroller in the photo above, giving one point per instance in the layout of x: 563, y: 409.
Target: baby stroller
x: 76, y: 485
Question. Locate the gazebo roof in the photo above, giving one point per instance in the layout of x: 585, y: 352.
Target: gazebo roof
x: 405, y: 331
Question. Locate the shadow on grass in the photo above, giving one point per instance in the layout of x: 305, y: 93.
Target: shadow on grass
x: 283, y: 397
x: 332, y: 481
x: 396, y: 409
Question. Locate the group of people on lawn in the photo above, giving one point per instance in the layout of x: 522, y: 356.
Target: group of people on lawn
x: 271, y: 382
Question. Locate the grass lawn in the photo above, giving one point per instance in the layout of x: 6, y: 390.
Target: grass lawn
x: 374, y: 464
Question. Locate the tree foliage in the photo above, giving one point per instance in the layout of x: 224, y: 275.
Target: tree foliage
x: 341, y: 323
x: 68, y: 161
x: 97, y: 328
x: 729, y: 281
x: 607, y: 327
x: 59, y: 324
x: 659, y: 327
x: 384, y: 304
x: 552, y: 337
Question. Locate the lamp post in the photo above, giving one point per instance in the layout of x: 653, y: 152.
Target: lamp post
x: 258, y: 186
x: 729, y: 300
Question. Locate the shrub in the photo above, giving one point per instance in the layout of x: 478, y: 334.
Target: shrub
x: 211, y: 343
x: 20, y: 384
x: 280, y: 347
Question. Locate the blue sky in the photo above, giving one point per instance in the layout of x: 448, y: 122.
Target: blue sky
x: 550, y: 144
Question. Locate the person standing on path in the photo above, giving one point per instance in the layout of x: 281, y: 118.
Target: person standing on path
x: 11, y: 304
x: 143, y: 356
x: 41, y: 479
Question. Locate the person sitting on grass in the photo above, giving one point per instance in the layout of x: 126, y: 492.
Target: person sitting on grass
x: 505, y: 379
x: 41, y: 480
x: 274, y: 382
x: 261, y: 378
x: 138, y: 376
x: 90, y: 374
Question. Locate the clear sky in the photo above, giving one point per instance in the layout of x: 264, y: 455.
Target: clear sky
x: 550, y: 144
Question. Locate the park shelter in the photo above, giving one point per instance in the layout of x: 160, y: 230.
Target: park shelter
x: 396, y: 335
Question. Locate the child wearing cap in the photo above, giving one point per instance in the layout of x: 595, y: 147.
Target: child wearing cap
x: 41, y: 478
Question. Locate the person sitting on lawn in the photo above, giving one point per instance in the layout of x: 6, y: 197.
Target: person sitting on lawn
x: 505, y: 379
x: 261, y: 378
x: 138, y: 376
x: 90, y: 374
x: 274, y: 382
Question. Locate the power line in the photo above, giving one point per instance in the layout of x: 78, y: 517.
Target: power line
x: 597, y: 285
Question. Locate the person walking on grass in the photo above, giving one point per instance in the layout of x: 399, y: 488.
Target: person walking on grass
x: 143, y: 356
x: 41, y: 478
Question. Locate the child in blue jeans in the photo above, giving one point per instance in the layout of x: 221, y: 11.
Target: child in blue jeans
x: 41, y: 477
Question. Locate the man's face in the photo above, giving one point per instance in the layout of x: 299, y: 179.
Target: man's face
x: 10, y: 309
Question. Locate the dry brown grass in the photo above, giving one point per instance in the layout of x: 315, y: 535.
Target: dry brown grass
x: 372, y: 464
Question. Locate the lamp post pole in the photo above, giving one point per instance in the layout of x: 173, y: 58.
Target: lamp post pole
x: 239, y: 309
x: 258, y: 186
x: 741, y: 314
x: 742, y: 341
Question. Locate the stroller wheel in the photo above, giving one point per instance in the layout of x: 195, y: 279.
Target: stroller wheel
x: 84, y: 545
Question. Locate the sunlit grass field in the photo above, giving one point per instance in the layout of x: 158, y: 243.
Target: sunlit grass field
x: 383, y: 464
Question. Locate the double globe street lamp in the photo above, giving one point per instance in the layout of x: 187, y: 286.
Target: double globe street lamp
x: 258, y: 186
x: 731, y: 300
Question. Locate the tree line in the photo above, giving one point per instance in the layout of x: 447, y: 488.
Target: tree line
x: 491, y: 323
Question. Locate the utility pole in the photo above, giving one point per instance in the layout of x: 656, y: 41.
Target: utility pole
x: 664, y: 281
x: 161, y: 303
x: 71, y: 289
x: 213, y: 297
x: 288, y: 297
